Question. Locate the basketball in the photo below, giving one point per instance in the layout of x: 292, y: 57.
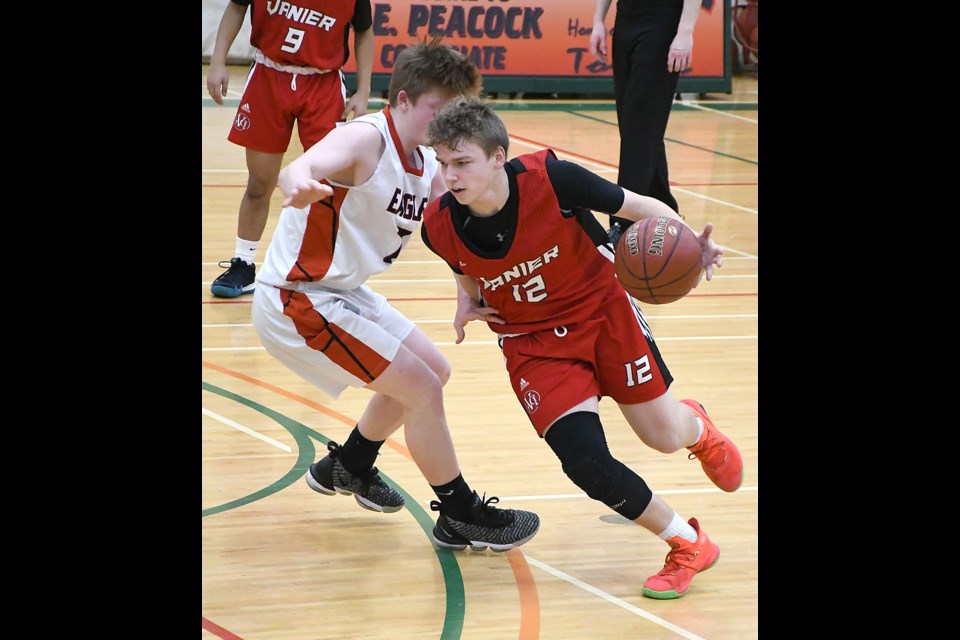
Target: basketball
x: 746, y: 27
x: 658, y: 260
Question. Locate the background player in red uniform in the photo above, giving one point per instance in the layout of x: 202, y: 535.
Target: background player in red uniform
x: 300, y: 48
x: 534, y: 262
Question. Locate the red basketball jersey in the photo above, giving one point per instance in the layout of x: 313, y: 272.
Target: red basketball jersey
x: 553, y: 273
x: 303, y: 33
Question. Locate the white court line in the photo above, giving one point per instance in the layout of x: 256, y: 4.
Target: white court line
x: 727, y: 315
x: 488, y: 342
x: 222, y: 326
x: 263, y: 456
x: 419, y: 280
x: 716, y: 276
x: 438, y: 261
x: 743, y: 255
x: 584, y: 161
x: 719, y: 112
x: 724, y: 202
x: 247, y: 430
x: 666, y: 492
x: 611, y: 598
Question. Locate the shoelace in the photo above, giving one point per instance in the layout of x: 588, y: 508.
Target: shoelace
x: 711, y: 447
x: 675, y: 560
x: 226, y: 264
x: 486, y: 506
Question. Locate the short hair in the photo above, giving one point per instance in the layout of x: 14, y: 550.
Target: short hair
x: 428, y: 66
x: 469, y: 119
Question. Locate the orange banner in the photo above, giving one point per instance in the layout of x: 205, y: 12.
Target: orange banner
x: 546, y: 38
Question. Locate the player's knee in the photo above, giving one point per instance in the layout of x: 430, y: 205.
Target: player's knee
x: 606, y: 479
x: 260, y: 188
x: 443, y: 371
x: 578, y: 441
x: 597, y: 475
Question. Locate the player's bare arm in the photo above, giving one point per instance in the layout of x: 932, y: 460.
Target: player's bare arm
x: 348, y: 155
x: 637, y: 207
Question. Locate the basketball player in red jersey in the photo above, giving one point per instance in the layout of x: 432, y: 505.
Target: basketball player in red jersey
x: 533, y: 262
x: 300, y: 48
x: 352, y: 202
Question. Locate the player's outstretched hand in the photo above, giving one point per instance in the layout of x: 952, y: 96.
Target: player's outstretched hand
x: 303, y: 193
x: 711, y: 252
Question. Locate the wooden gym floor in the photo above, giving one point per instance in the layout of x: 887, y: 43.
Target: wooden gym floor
x: 281, y: 562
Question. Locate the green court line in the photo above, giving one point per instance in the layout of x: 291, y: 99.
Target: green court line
x: 304, y: 436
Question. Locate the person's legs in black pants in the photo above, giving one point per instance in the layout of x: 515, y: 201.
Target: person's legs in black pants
x: 644, y: 92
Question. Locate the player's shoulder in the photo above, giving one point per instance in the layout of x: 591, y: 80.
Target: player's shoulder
x: 438, y: 207
x: 534, y: 161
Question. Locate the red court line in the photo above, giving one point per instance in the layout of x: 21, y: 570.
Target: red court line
x: 217, y: 630
x: 529, y: 600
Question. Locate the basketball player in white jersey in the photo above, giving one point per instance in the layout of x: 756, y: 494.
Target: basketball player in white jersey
x: 351, y: 203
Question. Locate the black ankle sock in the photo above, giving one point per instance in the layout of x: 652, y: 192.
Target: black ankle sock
x: 456, y: 498
x: 358, y: 454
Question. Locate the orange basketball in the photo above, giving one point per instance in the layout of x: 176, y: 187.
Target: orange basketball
x: 658, y: 260
x: 746, y: 25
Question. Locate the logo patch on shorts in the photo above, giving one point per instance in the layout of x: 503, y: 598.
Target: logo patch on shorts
x: 531, y: 400
x: 241, y: 122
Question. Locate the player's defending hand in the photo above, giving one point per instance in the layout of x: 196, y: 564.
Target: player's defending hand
x: 301, y: 193
x: 712, y: 252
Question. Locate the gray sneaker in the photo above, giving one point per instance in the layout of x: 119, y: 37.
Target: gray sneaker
x: 370, y: 491
x: 486, y: 526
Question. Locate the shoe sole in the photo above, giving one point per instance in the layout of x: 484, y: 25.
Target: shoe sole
x: 671, y: 595
x: 229, y: 292
x: 363, y: 502
x: 479, y: 545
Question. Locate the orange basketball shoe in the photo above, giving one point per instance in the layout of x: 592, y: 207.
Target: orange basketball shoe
x: 718, y: 456
x: 684, y: 560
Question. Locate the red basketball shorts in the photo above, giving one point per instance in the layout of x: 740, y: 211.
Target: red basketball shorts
x: 611, y: 354
x: 273, y: 100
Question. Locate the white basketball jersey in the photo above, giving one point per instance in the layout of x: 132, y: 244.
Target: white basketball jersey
x: 341, y: 241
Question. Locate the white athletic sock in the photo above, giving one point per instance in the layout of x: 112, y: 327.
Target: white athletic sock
x: 247, y: 250
x: 678, y: 527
